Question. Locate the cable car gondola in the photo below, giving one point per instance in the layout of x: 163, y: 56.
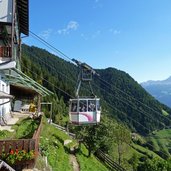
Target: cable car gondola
x: 84, y: 110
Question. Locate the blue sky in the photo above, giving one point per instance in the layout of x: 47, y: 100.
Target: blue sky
x: 130, y: 35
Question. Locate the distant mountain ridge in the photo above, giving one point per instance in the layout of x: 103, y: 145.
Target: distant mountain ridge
x: 158, y: 82
x: 161, y: 90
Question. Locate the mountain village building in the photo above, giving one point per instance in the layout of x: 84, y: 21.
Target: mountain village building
x: 14, y: 84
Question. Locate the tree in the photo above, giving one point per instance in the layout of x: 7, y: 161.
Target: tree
x: 134, y: 161
x: 155, y: 164
x: 122, y: 138
x: 96, y: 136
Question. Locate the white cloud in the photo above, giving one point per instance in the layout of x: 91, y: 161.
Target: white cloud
x: 91, y: 35
x: 46, y: 33
x: 114, y: 31
x: 72, y: 25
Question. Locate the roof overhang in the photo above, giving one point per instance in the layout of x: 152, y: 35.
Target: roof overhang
x: 23, y: 14
x: 22, y: 92
x: 18, y: 80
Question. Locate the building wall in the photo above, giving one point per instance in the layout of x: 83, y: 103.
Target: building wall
x: 6, y: 108
x: 9, y: 46
x: 6, y: 19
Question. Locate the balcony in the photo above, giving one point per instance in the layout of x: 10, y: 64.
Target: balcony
x: 6, y: 61
x: 5, y: 52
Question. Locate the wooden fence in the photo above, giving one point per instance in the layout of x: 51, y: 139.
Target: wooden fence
x: 36, y: 137
x: 108, y: 161
x: 22, y: 144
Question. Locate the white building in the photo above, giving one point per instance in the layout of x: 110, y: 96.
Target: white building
x: 14, y: 21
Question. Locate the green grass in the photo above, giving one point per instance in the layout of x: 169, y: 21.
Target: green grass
x: 165, y: 134
x: 41, y: 164
x: 89, y: 163
x: 26, y: 128
x: 129, y: 151
x: 51, y: 143
x: 22, y: 129
x: 165, y: 113
x: 161, y: 141
x: 145, y: 151
x: 5, y: 134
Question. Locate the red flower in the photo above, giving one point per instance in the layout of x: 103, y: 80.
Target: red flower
x: 11, y: 152
x: 16, y: 151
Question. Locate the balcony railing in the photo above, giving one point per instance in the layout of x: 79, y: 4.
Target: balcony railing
x: 22, y: 144
x: 5, y: 51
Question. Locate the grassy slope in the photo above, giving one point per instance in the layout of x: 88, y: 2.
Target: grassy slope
x: 144, y: 151
x: 128, y: 152
x: 51, y: 143
x: 161, y: 140
x: 89, y: 164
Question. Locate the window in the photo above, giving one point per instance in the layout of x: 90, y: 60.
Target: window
x: 92, y: 105
x: 74, y: 106
x: 83, y: 106
x: 98, y: 105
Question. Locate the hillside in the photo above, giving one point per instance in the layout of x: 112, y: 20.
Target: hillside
x: 126, y: 108
x: 161, y: 90
x: 52, y: 145
x: 121, y: 96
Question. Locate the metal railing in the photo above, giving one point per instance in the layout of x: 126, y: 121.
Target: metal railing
x: 99, y: 154
x: 108, y: 161
x: 63, y: 129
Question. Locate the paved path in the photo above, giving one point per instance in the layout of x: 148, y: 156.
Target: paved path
x: 74, y: 163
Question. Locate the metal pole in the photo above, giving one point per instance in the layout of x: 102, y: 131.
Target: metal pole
x: 48, y: 103
x: 50, y: 113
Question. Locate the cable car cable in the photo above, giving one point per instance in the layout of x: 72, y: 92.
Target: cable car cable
x: 124, y: 100
x: 73, y: 60
x: 94, y: 84
x: 73, y: 97
x: 106, y: 102
x: 134, y: 99
x: 142, y: 112
x: 60, y: 52
x: 55, y: 69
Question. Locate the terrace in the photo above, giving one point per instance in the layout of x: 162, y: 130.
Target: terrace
x: 20, y: 148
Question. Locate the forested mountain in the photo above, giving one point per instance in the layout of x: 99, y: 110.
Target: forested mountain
x: 161, y: 90
x: 121, y: 96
